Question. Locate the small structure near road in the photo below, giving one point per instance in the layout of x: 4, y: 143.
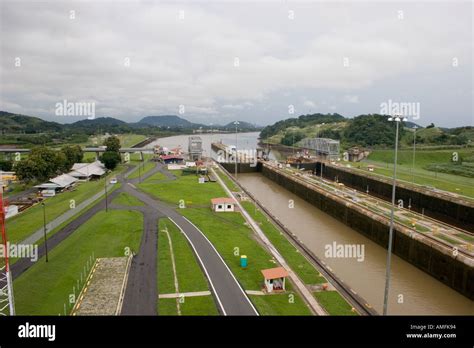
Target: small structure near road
x: 223, y: 204
x: 88, y: 171
x: 171, y: 159
x: 59, y: 183
x: 275, y: 279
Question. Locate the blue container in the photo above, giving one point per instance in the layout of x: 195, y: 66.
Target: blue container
x: 243, y: 261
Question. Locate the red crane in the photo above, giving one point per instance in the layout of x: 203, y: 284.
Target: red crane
x: 7, y: 306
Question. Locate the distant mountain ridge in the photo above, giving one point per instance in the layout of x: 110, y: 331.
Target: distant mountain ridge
x: 168, y: 121
x: 16, y: 123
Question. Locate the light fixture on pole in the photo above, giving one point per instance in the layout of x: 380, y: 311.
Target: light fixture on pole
x: 236, y: 123
x: 397, y: 120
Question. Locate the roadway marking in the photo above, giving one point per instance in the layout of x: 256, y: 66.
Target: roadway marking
x: 232, y: 274
x: 186, y: 294
x: 203, y: 266
x: 173, y: 264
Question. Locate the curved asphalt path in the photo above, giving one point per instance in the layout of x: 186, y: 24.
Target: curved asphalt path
x: 141, y: 293
x: 228, y: 293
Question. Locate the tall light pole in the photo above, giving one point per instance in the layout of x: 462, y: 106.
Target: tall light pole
x: 44, y: 230
x: 414, y: 151
x: 236, y: 123
x: 105, y: 188
x: 397, y: 120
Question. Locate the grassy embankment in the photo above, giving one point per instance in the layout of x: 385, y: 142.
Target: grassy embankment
x: 45, y: 287
x: 383, y: 160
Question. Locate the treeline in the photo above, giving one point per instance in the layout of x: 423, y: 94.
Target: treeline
x: 43, y: 163
x: 371, y: 130
x: 300, y: 122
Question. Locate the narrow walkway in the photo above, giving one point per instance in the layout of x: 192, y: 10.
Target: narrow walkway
x: 185, y: 294
x: 316, y: 307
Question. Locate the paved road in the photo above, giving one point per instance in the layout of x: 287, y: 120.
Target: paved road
x: 23, y: 264
x: 141, y: 293
x: 229, y: 295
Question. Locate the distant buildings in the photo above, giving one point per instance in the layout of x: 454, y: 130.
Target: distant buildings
x: 57, y: 184
x: 195, y: 148
x: 171, y: 159
x: 327, y: 148
x: 88, y: 171
x: 356, y: 154
x: 79, y: 172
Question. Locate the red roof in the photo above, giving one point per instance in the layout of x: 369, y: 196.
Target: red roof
x: 274, y: 273
x: 222, y: 200
x: 165, y: 157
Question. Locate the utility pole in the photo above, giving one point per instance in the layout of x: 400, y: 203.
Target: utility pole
x: 44, y: 230
x: 105, y: 188
x: 397, y: 120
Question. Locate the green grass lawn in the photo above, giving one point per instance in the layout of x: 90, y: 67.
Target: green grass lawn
x: 44, y: 288
x: 200, y: 305
x: 229, y: 183
x: 124, y: 198
x: 144, y: 168
x: 158, y: 176
x: 189, y: 274
x: 280, y: 304
x: 22, y: 225
x: 383, y: 160
x: 305, y: 270
x: 128, y: 140
x: 227, y: 231
x: 185, y: 188
x: 334, y: 303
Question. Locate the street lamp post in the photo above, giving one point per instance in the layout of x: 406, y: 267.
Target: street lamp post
x: 414, y: 151
x: 236, y: 123
x: 44, y: 230
x: 397, y: 120
x: 105, y: 188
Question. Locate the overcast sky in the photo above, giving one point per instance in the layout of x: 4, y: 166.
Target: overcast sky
x: 242, y: 60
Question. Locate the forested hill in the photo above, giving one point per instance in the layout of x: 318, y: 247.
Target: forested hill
x: 371, y: 130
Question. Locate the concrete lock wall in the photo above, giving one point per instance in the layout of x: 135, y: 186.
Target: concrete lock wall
x: 439, y: 263
x: 241, y: 167
x: 448, y: 211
